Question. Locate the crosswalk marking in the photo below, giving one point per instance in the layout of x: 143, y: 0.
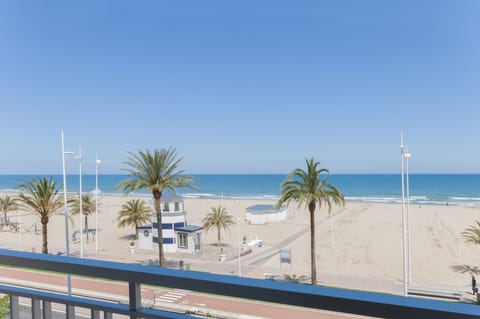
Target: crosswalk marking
x: 172, y: 296
x: 176, y: 294
x: 168, y: 297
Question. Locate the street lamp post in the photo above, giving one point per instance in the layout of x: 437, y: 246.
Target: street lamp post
x: 404, y: 224
x: 97, y: 162
x: 409, y: 255
x: 65, y: 208
x: 239, y: 243
x: 79, y: 156
x: 19, y: 222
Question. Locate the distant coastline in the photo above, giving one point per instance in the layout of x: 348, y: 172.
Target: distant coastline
x: 425, y: 189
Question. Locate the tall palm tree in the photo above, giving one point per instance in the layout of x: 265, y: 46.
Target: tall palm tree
x: 42, y: 196
x: 218, y: 218
x: 88, y: 207
x: 157, y: 172
x: 7, y: 204
x: 134, y: 213
x: 471, y: 235
x: 310, y: 188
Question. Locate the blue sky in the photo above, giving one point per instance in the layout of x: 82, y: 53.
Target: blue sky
x: 241, y: 86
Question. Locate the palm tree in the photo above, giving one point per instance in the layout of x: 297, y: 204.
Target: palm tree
x: 88, y: 207
x: 42, y: 196
x: 134, y: 213
x: 471, y: 235
x: 311, y: 187
x: 218, y: 218
x: 157, y: 172
x: 7, y: 204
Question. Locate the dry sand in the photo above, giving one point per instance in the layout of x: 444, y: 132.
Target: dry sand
x: 358, y: 246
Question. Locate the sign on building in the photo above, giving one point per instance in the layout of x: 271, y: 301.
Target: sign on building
x: 286, y: 256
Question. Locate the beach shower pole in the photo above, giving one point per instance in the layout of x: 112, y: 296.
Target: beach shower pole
x: 404, y: 230
x: 67, y: 242
x: 409, y: 255
x: 97, y: 162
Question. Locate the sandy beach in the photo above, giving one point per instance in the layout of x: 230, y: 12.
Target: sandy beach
x: 359, y: 246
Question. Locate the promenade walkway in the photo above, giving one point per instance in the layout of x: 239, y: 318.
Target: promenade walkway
x: 167, y: 299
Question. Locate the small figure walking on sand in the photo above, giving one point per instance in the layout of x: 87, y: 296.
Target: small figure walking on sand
x: 474, y: 285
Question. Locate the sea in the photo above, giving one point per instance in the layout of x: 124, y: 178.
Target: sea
x: 436, y: 189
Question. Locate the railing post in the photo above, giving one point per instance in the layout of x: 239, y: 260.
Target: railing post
x: 47, y: 310
x: 134, y: 297
x: 95, y: 314
x: 69, y: 312
x: 36, y: 309
x: 14, y: 307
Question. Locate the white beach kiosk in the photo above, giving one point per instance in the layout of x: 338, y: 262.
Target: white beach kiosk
x: 262, y: 214
x: 178, y: 236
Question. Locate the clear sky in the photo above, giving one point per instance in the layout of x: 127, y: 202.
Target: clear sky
x: 241, y: 86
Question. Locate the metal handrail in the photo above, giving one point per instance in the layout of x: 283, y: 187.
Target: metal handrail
x: 315, y: 297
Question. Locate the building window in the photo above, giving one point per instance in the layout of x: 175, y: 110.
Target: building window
x: 166, y: 207
x: 177, y: 207
x: 182, y: 240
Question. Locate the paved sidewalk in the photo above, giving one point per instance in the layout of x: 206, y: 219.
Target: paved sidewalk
x: 166, y: 299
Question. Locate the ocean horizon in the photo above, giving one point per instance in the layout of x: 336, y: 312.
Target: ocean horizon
x: 437, y: 189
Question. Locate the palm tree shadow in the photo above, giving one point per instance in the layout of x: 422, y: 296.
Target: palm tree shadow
x: 128, y: 237
x: 466, y: 269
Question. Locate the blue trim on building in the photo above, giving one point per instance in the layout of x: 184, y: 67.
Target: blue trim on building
x: 166, y: 240
x: 164, y: 226
x: 189, y: 228
x: 177, y: 225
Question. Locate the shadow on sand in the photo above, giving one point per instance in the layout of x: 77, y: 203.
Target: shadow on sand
x: 466, y: 269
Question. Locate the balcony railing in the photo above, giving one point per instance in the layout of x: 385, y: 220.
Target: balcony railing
x: 314, y: 297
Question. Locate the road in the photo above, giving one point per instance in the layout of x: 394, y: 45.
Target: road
x: 169, y: 299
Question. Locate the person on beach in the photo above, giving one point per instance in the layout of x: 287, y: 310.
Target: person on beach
x: 474, y: 285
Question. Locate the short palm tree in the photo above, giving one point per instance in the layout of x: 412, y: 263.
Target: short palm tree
x: 471, y: 235
x: 157, y: 172
x: 88, y: 207
x: 218, y: 218
x: 7, y: 204
x: 134, y: 213
x: 311, y: 188
x: 42, y: 196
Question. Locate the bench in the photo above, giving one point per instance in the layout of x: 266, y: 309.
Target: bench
x: 435, y: 293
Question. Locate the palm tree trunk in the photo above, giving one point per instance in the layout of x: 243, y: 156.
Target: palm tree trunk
x: 218, y: 236
x: 44, y: 238
x: 157, y: 195
x: 312, y: 244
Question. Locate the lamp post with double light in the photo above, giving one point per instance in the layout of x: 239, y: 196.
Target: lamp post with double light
x: 404, y: 220
x: 238, y: 239
x: 409, y: 255
x: 65, y: 208
x: 79, y: 157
